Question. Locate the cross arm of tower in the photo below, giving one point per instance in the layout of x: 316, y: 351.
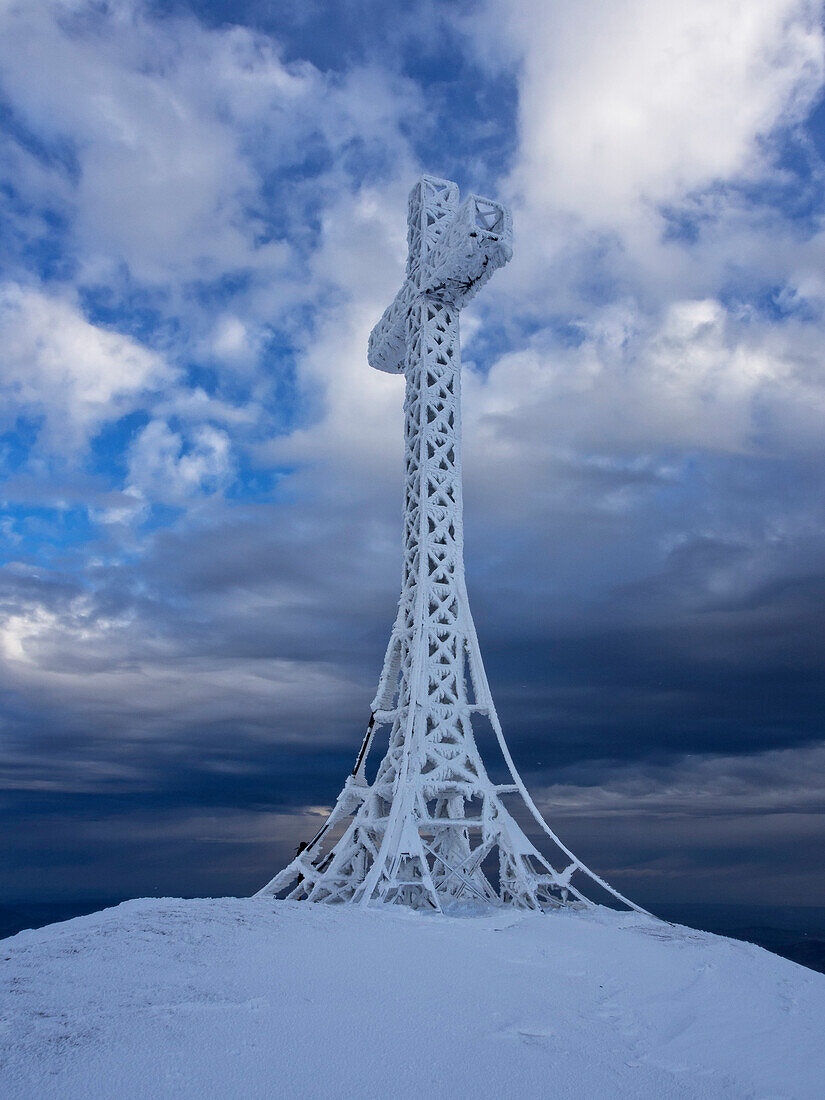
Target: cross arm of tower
x: 474, y: 240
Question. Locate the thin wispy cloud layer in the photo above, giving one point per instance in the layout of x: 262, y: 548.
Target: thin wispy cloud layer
x: 202, y: 218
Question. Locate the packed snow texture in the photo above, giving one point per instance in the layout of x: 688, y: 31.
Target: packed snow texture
x: 257, y: 998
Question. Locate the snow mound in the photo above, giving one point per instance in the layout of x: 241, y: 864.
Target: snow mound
x: 256, y: 998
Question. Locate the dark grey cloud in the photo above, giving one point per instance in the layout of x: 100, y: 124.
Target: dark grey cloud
x: 236, y: 680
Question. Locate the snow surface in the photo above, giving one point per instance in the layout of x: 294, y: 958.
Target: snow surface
x: 257, y: 998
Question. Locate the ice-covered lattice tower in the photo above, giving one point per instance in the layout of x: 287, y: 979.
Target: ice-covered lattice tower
x: 432, y: 826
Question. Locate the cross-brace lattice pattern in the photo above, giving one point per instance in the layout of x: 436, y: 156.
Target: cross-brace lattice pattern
x: 421, y: 831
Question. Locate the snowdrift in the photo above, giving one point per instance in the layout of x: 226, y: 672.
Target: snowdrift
x: 255, y: 998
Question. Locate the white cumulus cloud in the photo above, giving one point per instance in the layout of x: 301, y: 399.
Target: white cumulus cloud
x: 57, y: 366
x: 166, y: 467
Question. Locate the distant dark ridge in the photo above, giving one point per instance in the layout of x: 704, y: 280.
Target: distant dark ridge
x: 14, y: 918
x: 794, y: 932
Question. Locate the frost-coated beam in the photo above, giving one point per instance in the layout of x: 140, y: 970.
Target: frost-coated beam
x: 432, y: 826
x: 463, y: 247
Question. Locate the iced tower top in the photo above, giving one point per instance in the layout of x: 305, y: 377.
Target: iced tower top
x: 452, y: 251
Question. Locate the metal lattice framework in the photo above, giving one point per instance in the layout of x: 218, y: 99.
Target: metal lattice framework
x: 420, y: 832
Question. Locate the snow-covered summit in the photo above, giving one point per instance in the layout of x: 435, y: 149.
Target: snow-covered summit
x: 254, y: 998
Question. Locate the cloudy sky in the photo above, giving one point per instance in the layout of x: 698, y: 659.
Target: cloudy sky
x: 203, y: 215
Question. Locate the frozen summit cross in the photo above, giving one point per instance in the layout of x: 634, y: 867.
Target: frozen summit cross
x: 432, y: 827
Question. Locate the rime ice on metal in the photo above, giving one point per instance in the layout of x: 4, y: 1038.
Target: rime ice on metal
x: 431, y: 824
